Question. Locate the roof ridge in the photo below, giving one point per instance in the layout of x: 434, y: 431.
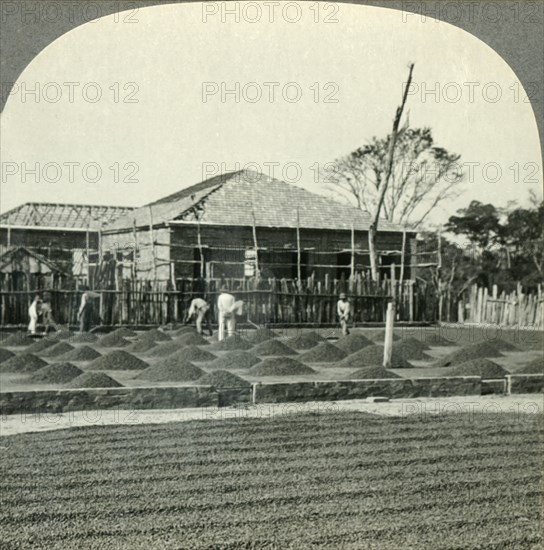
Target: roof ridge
x: 194, y: 188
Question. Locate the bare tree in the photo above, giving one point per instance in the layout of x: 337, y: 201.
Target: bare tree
x: 422, y: 176
x: 403, y: 177
x: 385, y: 158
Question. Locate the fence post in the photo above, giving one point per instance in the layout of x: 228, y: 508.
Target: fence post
x: 388, y: 344
x: 460, y: 311
x: 352, y: 266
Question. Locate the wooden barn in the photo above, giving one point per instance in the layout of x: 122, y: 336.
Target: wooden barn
x: 237, y: 224
x: 64, y: 234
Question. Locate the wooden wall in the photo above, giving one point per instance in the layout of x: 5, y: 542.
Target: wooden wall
x: 175, y: 251
x: 57, y: 246
x: 152, y: 262
x: 319, y: 248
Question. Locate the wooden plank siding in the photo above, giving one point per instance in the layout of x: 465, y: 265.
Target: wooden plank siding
x: 276, y: 246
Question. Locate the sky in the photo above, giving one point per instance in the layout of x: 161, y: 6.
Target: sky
x: 129, y: 108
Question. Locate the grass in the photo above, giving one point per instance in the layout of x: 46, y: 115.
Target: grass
x: 336, y: 480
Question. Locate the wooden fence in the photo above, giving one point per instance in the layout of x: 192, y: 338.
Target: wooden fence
x: 516, y: 308
x: 270, y: 301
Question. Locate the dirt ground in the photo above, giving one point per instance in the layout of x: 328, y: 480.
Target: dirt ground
x: 345, y: 479
x: 489, y: 405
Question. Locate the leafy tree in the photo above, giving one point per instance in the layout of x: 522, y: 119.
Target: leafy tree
x: 522, y: 234
x: 479, y: 223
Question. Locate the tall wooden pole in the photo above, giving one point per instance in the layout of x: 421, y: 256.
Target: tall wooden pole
x: 98, y: 271
x: 388, y: 344
x: 152, y: 237
x: 199, y: 241
x: 87, y: 252
x: 394, y: 285
x: 255, y: 243
x: 403, y: 252
x: 299, y: 270
x: 135, y: 252
x: 384, y: 183
x: 390, y: 320
x: 439, y: 274
x: 352, y: 267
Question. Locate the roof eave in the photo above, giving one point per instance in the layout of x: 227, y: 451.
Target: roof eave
x: 194, y: 222
x: 48, y: 228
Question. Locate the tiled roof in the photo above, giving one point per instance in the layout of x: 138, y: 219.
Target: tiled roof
x: 62, y: 216
x: 239, y: 198
x: 170, y: 207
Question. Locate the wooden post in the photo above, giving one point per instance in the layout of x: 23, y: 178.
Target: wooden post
x: 352, y: 266
x: 87, y: 237
x: 98, y: 270
x: 484, y: 318
x: 255, y: 243
x: 401, y: 279
x: 461, y: 311
x: 479, y: 306
x: 439, y: 275
x: 100, y: 245
x: 9, y: 233
x: 135, y: 253
x: 299, y: 271
x: 151, y: 236
x: 411, y: 300
x: 494, y: 305
x: 199, y: 241
x: 394, y: 284
x: 388, y: 344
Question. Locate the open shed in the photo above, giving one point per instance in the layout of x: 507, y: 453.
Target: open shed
x: 23, y: 269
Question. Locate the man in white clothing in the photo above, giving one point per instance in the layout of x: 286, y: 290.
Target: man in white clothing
x: 33, y: 312
x: 343, y: 309
x: 200, y: 308
x: 226, y: 304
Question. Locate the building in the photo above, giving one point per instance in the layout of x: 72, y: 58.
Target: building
x: 231, y: 225
x: 61, y: 233
x: 23, y: 269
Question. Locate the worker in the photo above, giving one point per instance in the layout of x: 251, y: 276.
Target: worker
x: 343, y: 309
x: 200, y: 308
x: 228, y: 308
x: 47, y: 312
x: 33, y: 312
x: 85, y: 313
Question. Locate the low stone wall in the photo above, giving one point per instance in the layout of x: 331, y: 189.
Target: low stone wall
x: 524, y: 383
x: 490, y: 387
x: 179, y: 397
x: 232, y: 396
x: 332, y: 390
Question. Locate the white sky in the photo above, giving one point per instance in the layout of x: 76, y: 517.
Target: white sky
x: 170, y: 132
